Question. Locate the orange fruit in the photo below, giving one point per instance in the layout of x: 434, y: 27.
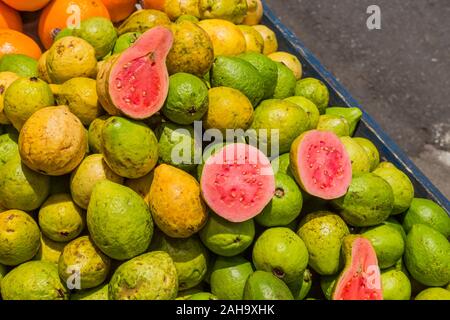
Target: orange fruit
x: 59, y: 13
x: 12, y: 41
x: 26, y: 5
x: 153, y: 4
x: 9, y: 18
x: 119, y: 9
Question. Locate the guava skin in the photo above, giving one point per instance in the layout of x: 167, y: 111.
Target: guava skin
x: 119, y: 221
x: 34, y: 280
x: 97, y: 293
x: 232, y: 10
x: 368, y: 202
x: 323, y: 233
x: 129, y: 147
x: 396, y: 285
x: 263, y: 285
x: 151, y: 276
x: 229, y: 276
x: 226, y: 238
x: 189, y: 255
x: 142, y: 20
x: 360, y: 160
x: 49, y: 250
x: 433, y: 294
x: 426, y: 256
x: 8, y: 147
x: 93, y: 265
x: 19, y: 237
x: 282, y: 252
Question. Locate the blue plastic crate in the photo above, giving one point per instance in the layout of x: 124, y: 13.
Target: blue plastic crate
x: 339, y: 96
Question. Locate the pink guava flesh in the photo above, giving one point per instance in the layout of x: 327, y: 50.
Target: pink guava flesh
x: 362, y: 281
x: 237, y: 182
x: 139, y: 81
x: 324, y: 166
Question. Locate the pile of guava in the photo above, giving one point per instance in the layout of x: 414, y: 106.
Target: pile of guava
x: 180, y: 155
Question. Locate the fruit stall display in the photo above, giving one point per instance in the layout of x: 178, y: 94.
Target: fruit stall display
x: 94, y: 205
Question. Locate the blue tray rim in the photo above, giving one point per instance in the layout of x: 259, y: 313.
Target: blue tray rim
x: 345, y: 95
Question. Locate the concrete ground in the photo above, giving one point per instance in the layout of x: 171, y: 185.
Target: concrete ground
x: 399, y: 74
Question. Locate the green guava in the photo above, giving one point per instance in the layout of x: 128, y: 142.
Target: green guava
x: 309, y: 107
x: 263, y: 285
x: 371, y: 150
x: 395, y: 285
x: 20, y: 64
x: 150, y: 276
x: 314, y: 90
x: 352, y: 115
x: 60, y: 218
x: 98, y: 293
x: 282, y: 252
x: 226, y: 238
x: 95, y: 134
x: 336, y: 124
x: 358, y: 156
x: 8, y: 147
x: 433, y: 294
x: 286, y: 82
x: 125, y: 41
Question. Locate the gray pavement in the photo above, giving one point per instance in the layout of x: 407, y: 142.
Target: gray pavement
x: 400, y: 74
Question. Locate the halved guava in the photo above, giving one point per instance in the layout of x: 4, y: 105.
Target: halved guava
x: 136, y: 82
x: 320, y: 164
x: 360, y: 279
x: 237, y: 182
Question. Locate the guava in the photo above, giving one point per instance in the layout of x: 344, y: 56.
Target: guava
x: 276, y: 124
x: 176, y: 8
x: 202, y: 296
x: 269, y: 37
x: 368, y: 202
x: 129, y: 147
x: 229, y: 276
x: 301, y: 289
x: 81, y: 256
x: 352, y: 115
x: 62, y: 33
x: 190, y: 38
x: 71, y: 57
x: 395, y: 285
x: 189, y: 255
x: 187, y: 99
x: 19, y: 237
x: 60, y: 218
x: 323, y: 233
x: 120, y: 87
x: 231, y: 10
x: 24, y: 97
x: 286, y: 82
x: 143, y: 20
x: 150, y: 276
x: 53, y: 141
x: 336, y: 124
x: 282, y: 164
x: 309, y: 107
x: 34, y: 280
x: 176, y: 203
x: 401, y: 186
x: 263, y: 285
x: 360, y: 279
x: 125, y: 41
x: 254, y: 41
x: 360, y: 159
x: 95, y: 134
x: 388, y: 244
x: 281, y: 252
x: 80, y: 95
x: 315, y: 90
x: 119, y: 221
x: 289, y: 60
x: 42, y: 68
x: 427, y: 256
x: 20, y: 187
x: 187, y: 17
x: 49, y: 250
x: 371, y: 150
x: 433, y: 294
x: 83, y: 179
x: 99, y: 32
x: 228, y: 109
x: 226, y: 238
x: 427, y: 212
x: 238, y: 74
x: 237, y: 182
x: 6, y: 78
x: 98, y: 293
x: 286, y: 203
x: 8, y: 147
x: 320, y: 164
x: 20, y: 64
x: 266, y: 67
